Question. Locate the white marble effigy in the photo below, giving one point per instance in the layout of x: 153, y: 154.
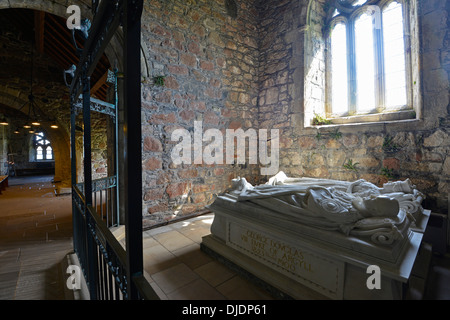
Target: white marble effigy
x: 321, y: 233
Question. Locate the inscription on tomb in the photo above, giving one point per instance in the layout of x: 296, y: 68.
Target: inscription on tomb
x: 309, y: 268
x: 283, y: 255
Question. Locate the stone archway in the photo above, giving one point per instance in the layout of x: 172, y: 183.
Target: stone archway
x: 114, y: 53
x: 59, y: 8
x: 15, y: 99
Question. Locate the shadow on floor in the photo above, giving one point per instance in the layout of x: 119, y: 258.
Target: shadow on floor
x: 438, y: 286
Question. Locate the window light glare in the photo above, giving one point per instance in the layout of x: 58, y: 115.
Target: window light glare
x: 358, y: 3
x: 365, y: 63
x: 377, y: 73
x: 42, y: 146
x: 339, y: 69
x: 394, y: 57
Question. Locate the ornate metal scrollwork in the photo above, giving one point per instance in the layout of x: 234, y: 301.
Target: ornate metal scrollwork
x: 98, y: 106
x: 111, y: 78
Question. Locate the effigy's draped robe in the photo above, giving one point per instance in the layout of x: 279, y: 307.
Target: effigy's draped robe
x: 356, y: 208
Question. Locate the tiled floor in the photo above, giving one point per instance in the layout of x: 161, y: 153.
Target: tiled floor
x: 35, y: 236
x: 178, y: 269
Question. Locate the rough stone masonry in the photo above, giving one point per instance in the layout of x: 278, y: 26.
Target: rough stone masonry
x: 264, y: 69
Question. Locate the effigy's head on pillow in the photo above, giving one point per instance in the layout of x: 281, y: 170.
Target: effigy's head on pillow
x: 340, y: 207
x: 405, y: 186
x: 363, y: 188
x: 377, y: 206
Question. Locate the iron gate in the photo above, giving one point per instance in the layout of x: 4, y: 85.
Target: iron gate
x: 111, y: 271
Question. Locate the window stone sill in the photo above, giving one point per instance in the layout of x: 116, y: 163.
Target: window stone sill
x: 406, y: 116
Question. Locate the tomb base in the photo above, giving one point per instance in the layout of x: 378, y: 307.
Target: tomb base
x: 305, y: 267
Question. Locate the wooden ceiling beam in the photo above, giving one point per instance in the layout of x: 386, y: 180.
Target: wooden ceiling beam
x: 60, y: 29
x: 39, y: 25
x: 63, y: 32
x: 100, y: 82
x: 55, y: 43
x: 57, y: 51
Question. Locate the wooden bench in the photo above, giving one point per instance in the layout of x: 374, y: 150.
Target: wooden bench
x: 3, y: 183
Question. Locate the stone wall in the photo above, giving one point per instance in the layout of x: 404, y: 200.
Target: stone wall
x: 294, y: 79
x: 262, y: 67
x: 210, y: 63
x: 265, y: 69
x: 99, y: 142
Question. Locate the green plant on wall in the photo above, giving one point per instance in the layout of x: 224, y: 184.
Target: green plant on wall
x: 388, y: 173
x: 389, y: 145
x: 319, y: 136
x: 336, y: 134
x: 159, y: 80
x: 320, y: 120
x: 349, y: 165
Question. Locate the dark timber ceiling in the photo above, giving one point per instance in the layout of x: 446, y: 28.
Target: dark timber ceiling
x: 52, y: 37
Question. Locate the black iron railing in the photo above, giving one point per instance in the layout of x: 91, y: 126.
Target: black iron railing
x: 104, y: 199
x: 111, y: 271
x: 102, y: 257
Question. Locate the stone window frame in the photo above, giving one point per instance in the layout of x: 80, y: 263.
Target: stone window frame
x: 413, y: 110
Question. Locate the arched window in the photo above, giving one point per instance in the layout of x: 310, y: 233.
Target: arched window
x: 368, y: 58
x: 42, y: 147
x: 339, y: 68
